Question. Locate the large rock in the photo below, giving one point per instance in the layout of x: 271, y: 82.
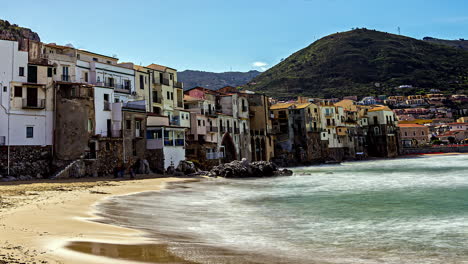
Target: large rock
x: 244, y: 169
x: 186, y: 167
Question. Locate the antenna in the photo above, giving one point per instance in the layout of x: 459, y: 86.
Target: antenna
x: 399, y: 31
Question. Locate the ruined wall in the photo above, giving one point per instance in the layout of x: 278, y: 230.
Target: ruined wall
x: 155, y: 158
x: 109, y: 156
x: 26, y: 162
x: 71, y: 131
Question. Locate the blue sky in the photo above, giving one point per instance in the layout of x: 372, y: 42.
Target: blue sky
x: 218, y: 35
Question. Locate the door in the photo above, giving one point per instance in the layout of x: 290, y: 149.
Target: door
x: 137, y: 128
x: 32, y: 74
x: 65, y: 76
x: 32, y: 97
x: 109, y: 128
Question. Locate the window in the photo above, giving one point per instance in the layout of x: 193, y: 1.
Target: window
x: 142, y: 85
x: 199, y: 122
x: 5, y: 88
x: 49, y: 72
x: 109, y: 62
x: 168, y: 95
x: 55, y: 71
x: 106, y: 97
x: 90, y: 125
x: 21, y: 71
x: 422, y: 133
x: 127, y: 84
x: 128, y: 124
x: 78, y: 56
x: 172, y: 96
x: 86, y: 76
x: 170, y: 76
x: 95, y: 59
x: 29, y: 132
x: 18, y: 91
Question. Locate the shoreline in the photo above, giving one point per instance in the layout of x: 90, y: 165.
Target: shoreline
x: 38, y: 219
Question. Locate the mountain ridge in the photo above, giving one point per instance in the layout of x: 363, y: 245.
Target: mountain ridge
x: 364, y: 62
x: 213, y: 80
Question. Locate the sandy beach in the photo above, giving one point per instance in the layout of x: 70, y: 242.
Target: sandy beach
x: 38, y: 219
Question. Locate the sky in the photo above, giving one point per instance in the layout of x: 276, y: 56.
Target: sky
x: 219, y: 35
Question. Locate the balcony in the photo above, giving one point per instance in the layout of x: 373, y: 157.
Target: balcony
x: 179, y: 142
x: 107, y: 106
x: 165, y: 81
x: 179, y: 85
x: 66, y: 78
x: 212, y: 129
x: 180, y: 104
x: 229, y: 129
x: 214, y: 155
x: 175, y: 121
x: 33, y: 104
x: 236, y: 131
x: 122, y: 88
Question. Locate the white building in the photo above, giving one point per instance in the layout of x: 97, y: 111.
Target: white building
x: 26, y: 110
x: 113, y: 84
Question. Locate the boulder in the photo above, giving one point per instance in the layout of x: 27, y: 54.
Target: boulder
x: 245, y: 169
x: 186, y: 167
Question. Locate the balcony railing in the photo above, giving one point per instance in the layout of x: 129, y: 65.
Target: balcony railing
x: 229, y: 129
x: 212, y: 129
x: 174, y: 122
x: 179, y: 142
x: 66, y: 78
x: 178, y: 85
x: 214, y: 155
x: 116, y: 133
x: 33, y: 104
x: 106, y: 106
x: 165, y: 81
x: 236, y: 131
x: 122, y: 88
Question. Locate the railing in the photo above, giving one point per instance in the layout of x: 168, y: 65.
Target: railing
x: 66, y: 78
x: 236, y: 131
x: 179, y: 142
x: 33, y: 104
x: 229, y: 129
x: 165, y: 81
x: 106, y: 106
x: 116, y: 133
x: 212, y: 129
x: 214, y: 155
x: 90, y: 155
x: 180, y: 104
x: 178, y: 85
x: 122, y: 88
x: 174, y: 122
x: 168, y: 142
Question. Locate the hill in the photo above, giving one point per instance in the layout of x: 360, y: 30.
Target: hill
x: 212, y: 80
x: 461, y: 43
x: 14, y: 32
x: 365, y: 62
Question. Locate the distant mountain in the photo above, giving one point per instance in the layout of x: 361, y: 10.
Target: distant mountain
x: 14, y: 32
x: 365, y: 62
x: 213, y: 80
x: 460, y: 44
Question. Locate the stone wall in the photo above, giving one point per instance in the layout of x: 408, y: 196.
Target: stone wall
x: 26, y: 162
x: 408, y: 151
x: 155, y: 158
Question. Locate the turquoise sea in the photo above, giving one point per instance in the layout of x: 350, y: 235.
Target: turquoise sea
x: 412, y: 210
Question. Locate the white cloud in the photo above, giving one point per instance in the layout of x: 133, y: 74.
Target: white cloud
x: 259, y: 64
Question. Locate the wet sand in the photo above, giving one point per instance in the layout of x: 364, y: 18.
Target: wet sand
x: 52, y: 222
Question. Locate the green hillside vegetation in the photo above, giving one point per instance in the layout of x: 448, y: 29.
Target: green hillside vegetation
x: 365, y: 62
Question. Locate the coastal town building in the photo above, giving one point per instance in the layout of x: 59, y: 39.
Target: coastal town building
x: 413, y: 135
